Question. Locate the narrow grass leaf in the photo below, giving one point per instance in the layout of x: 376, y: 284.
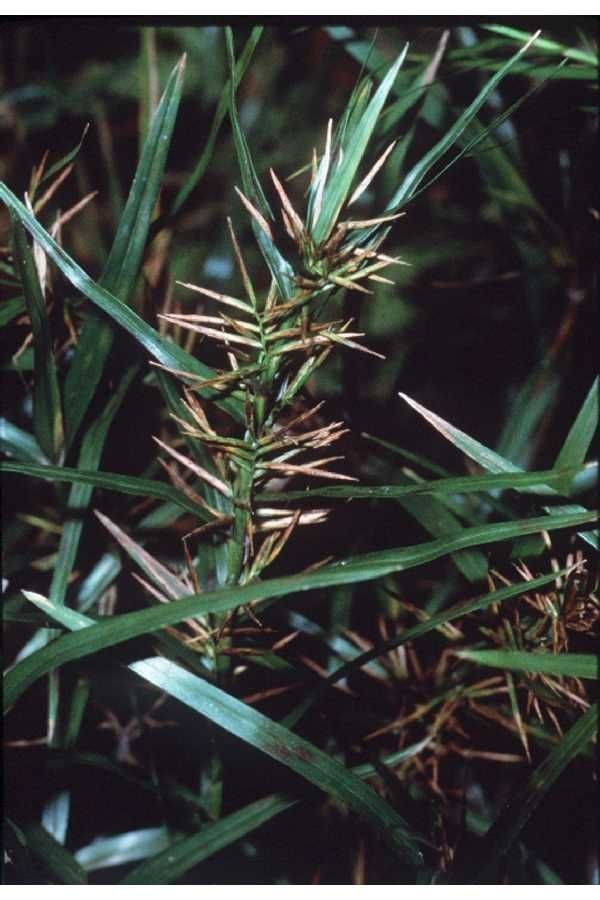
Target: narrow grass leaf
x: 56, y: 859
x: 574, y: 665
x: 339, y: 183
x: 123, y: 484
x: 193, y: 179
x: 520, y: 807
x: 119, y: 849
x: 279, y: 267
x: 282, y: 745
x: 490, y: 460
x: 579, y: 438
x: 123, y: 264
x: 415, y: 176
x: 188, y: 852
x: 352, y: 570
x: 466, y: 484
x: 160, y: 348
x: 21, y: 444
x: 47, y: 412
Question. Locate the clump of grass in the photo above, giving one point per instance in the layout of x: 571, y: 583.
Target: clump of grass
x: 514, y: 659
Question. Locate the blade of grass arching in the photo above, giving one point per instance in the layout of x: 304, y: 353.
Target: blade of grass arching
x: 193, y: 179
x: 575, y: 665
x: 415, y: 176
x: 488, y: 459
x: 21, y: 444
x: 148, y: 78
x: 534, y: 398
x: 184, y: 854
x: 520, y: 807
x: 367, y: 567
x: 63, y: 161
x: 119, y: 849
x: 160, y: 348
x: 461, y: 484
x: 282, y: 745
x: 545, y: 44
x: 47, y: 412
x: 125, y: 258
x: 10, y: 309
x: 78, y: 501
x: 279, y: 267
x: 441, y: 522
x: 123, y: 484
x: 579, y: 438
x: 55, y: 858
x: 339, y: 183
x: 417, y: 631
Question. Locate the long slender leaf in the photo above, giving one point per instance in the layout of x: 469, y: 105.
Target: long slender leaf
x: 123, y: 484
x: 576, y: 665
x: 122, y: 266
x: 59, y: 862
x: 19, y: 443
x: 281, y: 744
x: 413, y: 179
x: 579, y: 438
x: 355, y: 569
x: 122, y: 848
x: 341, y: 180
x: 193, y: 179
x: 182, y: 855
x: 487, y: 458
x: 519, y: 808
x: 47, y: 412
x: 462, y: 484
x: 279, y: 267
x: 160, y: 348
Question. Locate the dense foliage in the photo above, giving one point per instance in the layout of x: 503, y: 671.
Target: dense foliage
x: 300, y: 566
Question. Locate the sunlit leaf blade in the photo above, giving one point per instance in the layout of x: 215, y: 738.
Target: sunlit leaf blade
x: 415, y: 176
x: 579, y: 438
x: 341, y: 180
x: 124, y: 484
x: 193, y: 179
x: 160, y: 348
x: 279, y: 267
x: 123, y: 264
x: 544, y: 44
x: 21, y: 444
x: 281, y: 744
x: 575, y: 665
x: 519, y: 808
x: 58, y: 861
x: 355, y: 569
x: 119, y: 849
x: 47, y: 412
x: 490, y: 460
x: 462, y: 484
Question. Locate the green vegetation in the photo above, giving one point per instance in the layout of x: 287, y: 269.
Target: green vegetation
x: 270, y: 617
